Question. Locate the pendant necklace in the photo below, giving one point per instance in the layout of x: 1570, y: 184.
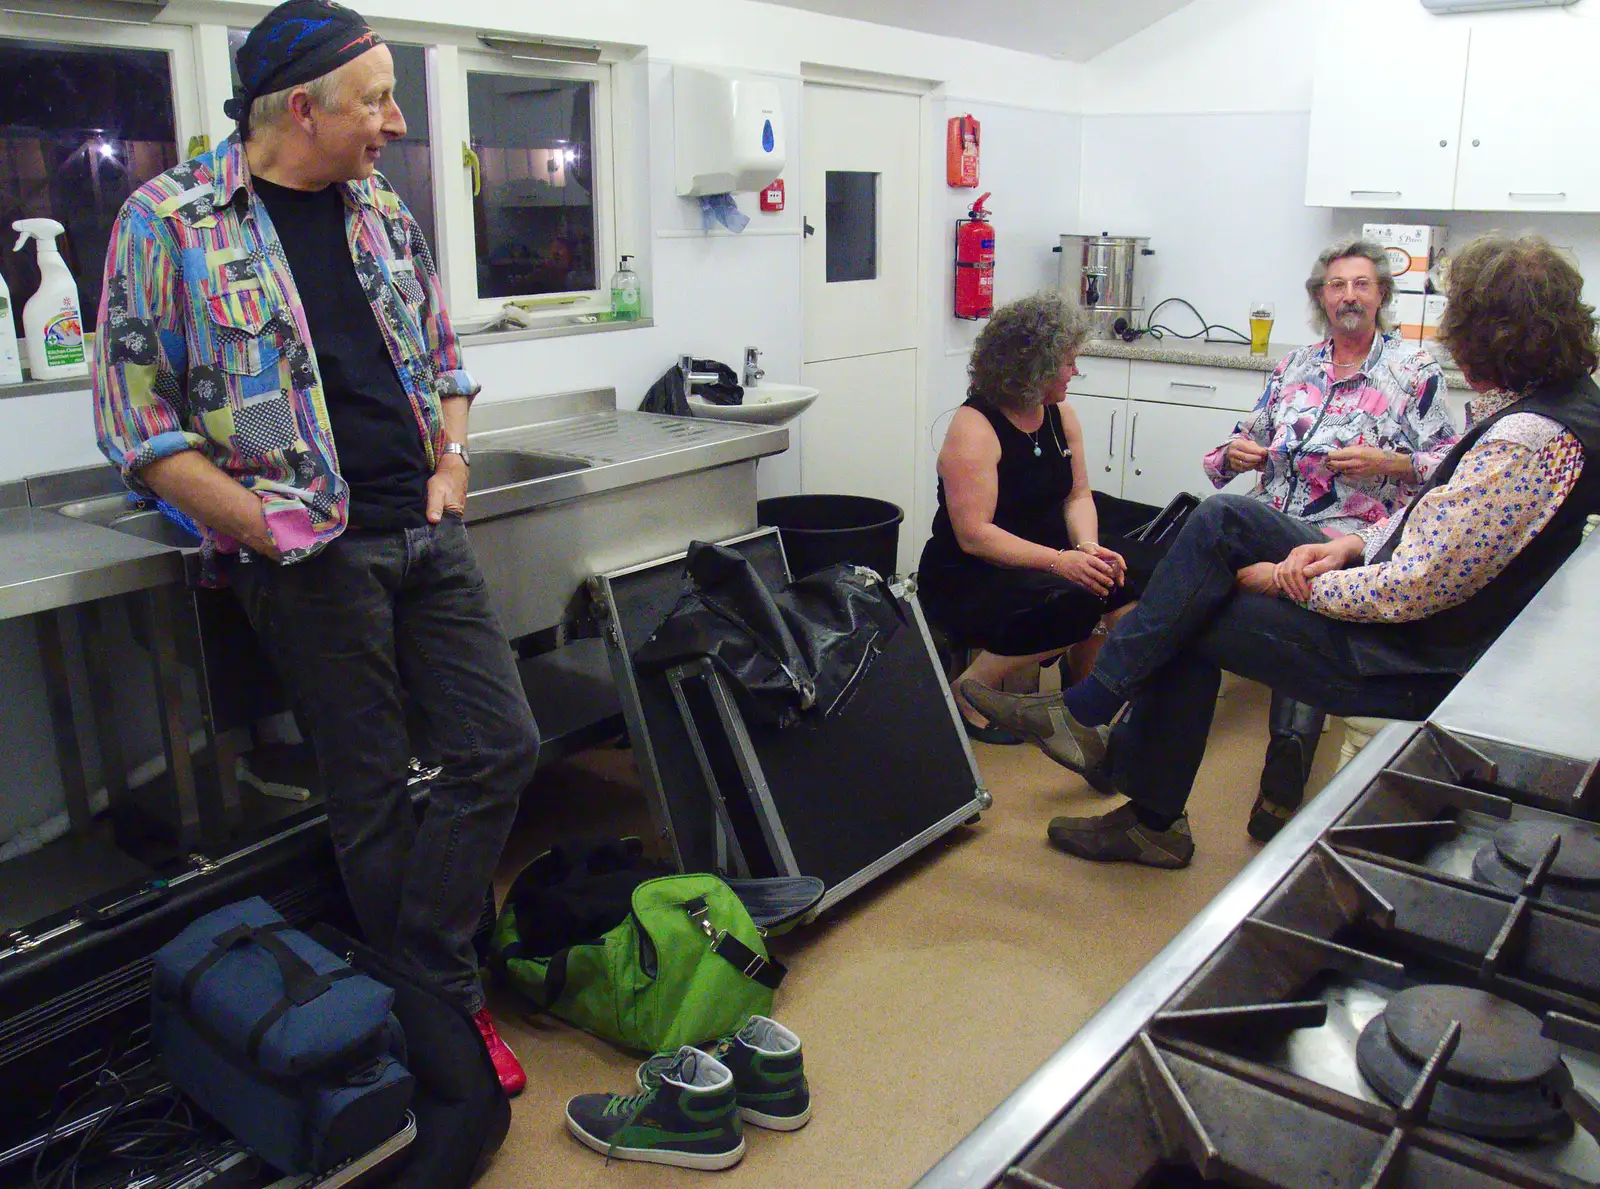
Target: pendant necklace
x: 1034, y: 437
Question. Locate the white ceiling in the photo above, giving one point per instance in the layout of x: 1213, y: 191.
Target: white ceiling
x: 1075, y: 30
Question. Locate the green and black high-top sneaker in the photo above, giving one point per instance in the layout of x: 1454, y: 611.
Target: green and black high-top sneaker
x: 768, y: 1073
x: 687, y: 1117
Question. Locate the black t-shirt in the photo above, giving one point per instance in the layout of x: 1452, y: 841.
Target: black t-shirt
x: 375, y: 430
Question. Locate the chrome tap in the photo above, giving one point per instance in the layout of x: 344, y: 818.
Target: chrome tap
x: 752, y: 373
x: 692, y: 377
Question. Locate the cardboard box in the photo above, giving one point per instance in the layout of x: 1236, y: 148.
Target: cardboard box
x: 1412, y: 249
x: 1407, y: 311
x: 1433, y: 307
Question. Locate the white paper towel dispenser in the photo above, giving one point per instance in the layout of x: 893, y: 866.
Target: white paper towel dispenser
x: 728, y: 132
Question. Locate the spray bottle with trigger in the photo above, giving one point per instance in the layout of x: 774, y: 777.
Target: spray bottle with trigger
x: 52, y: 321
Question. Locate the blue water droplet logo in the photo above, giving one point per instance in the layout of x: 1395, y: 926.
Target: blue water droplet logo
x: 767, y: 140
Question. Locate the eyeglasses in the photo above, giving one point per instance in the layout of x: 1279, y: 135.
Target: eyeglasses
x: 1361, y: 285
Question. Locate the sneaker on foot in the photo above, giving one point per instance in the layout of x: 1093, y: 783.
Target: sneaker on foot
x: 688, y: 1117
x: 506, y: 1066
x: 1120, y: 837
x: 1042, y: 719
x: 768, y: 1070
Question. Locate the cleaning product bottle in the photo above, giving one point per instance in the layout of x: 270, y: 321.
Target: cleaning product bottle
x: 625, y: 293
x: 52, y: 320
x: 10, y: 358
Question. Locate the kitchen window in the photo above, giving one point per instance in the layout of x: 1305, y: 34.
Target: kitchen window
x: 407, y: 163
x: 82, y: 125
x: 537, y: 217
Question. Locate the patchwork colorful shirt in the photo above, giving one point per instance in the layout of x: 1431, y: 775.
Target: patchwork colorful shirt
x: 1464, y: 532
x: 1394, y: 401
x: 204, y: 343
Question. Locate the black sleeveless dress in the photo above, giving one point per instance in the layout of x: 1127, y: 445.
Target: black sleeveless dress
x: 1015, y: 612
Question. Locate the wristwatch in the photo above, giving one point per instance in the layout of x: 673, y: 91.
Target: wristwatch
x: 460, y: 450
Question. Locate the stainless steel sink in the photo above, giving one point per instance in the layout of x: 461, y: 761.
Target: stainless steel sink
x: 147, y: 523
x: 502, y: 468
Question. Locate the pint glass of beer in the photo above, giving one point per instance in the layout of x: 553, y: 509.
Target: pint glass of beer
x: 1260, y: 326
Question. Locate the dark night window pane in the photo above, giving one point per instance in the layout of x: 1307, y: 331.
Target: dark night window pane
x: 81, y: 128
x: 852, y: 230
x: 407, y: 162
x: 534, y: 222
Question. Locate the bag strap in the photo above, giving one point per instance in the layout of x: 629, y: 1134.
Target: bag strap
x: 756, y: 967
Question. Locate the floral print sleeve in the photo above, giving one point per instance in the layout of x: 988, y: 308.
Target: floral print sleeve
x: 1255, y: 425
x: 1464, y: 533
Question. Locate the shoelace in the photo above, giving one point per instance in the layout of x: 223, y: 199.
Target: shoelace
x: 634, y: 1104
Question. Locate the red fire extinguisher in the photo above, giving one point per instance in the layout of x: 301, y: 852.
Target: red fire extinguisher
x: 975, y: 263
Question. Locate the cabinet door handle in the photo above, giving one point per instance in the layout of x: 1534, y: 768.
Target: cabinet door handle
x: 1364, y: 194
x: 1532, y: 196
x: 1133, y: 436
x: 1111, y: 437
x: 1188, y: 384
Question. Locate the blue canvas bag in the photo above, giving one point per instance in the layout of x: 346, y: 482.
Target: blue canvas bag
x: 281, y: 1041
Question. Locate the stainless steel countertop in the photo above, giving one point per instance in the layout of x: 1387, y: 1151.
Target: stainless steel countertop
x: 48, y: 560
x: 1543, y: 673
x: 623, y: 448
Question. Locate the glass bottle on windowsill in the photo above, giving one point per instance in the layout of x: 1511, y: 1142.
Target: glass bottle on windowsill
x: 625, y: 293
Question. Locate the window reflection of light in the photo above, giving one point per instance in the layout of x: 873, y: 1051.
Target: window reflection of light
x: 107, y: 150
x: 572, y: 155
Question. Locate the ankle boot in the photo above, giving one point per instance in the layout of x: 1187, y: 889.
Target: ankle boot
x: 1295, y: 730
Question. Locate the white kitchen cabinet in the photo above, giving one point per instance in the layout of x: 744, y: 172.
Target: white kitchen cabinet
x: 1382, y: 135
x: 1105, y: 430
x: 1457, y: 123
x: 1529, y: 145
x: 1165, y: 446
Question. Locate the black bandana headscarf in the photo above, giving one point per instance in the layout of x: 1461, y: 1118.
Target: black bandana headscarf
x: 295, y: 43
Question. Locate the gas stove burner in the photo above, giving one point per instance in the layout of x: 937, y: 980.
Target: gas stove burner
x: 1574, y: 877
x: 1502, y: 1082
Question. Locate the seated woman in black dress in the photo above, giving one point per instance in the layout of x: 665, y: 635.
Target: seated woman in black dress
x: 1014, y: 566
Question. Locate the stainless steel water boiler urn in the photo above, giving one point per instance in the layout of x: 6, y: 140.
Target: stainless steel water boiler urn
x: 1103, y: 275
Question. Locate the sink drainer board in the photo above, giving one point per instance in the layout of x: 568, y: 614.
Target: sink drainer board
x: 843, y: 798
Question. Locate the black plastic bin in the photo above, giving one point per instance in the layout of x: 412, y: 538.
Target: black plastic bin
x: 825, y: 530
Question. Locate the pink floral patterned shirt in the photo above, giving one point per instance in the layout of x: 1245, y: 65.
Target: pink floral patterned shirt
x: 1463, y: 533
x: 1394, y: 401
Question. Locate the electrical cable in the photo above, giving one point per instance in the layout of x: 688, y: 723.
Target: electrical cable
x: 1157, y: 331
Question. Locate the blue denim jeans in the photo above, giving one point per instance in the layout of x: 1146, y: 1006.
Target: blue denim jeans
x: 1166, y: 656
x: 354, y: 631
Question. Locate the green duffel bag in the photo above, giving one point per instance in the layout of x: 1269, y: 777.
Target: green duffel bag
x: 684, y: 964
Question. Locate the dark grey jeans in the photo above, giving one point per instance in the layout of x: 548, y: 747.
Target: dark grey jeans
x: 349, y: 629
x: 1166, y: 656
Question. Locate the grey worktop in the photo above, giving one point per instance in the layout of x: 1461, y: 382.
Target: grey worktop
x: 1539, y: 683
x: 1230, y: 355
x: 48, y: 560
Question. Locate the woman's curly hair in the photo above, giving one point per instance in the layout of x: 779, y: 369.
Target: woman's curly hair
x: 1021, y: 351
x: 1516, y: 317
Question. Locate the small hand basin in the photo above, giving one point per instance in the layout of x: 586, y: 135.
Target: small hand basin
x: 502, y: 468
x: 137, y: 520
x: 765, y: 404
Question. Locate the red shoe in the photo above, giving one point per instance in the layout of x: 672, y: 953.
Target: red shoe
x: 506, y: 1065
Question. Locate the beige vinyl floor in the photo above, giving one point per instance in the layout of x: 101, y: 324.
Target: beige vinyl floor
x: 922, y: 1001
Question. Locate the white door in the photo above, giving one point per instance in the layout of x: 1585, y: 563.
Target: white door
x: 1105, y: 428
x: 1165, y: 446
x: 1385, y: 121
x: 859, y: 201
x: 1530, y: 148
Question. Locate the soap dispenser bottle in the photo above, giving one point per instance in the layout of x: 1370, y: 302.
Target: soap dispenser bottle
x: 52, y: 321
x: 625, y: 293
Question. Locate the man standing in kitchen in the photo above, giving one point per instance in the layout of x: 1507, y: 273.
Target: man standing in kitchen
x: 276, y: 362
x: 1345, y: 434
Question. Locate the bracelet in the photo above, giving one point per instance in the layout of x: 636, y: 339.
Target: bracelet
x: 1060, y: 553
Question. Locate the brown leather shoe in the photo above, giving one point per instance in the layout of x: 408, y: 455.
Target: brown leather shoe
x: 1120, y: 837
x: 1043, y: 720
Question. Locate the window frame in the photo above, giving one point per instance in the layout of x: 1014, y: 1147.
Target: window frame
x: 450, y: 65
x: 179, y: 42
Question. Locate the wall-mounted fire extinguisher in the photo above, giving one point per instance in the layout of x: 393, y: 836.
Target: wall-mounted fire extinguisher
x: 961, y: 151
x: 975, y: 263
